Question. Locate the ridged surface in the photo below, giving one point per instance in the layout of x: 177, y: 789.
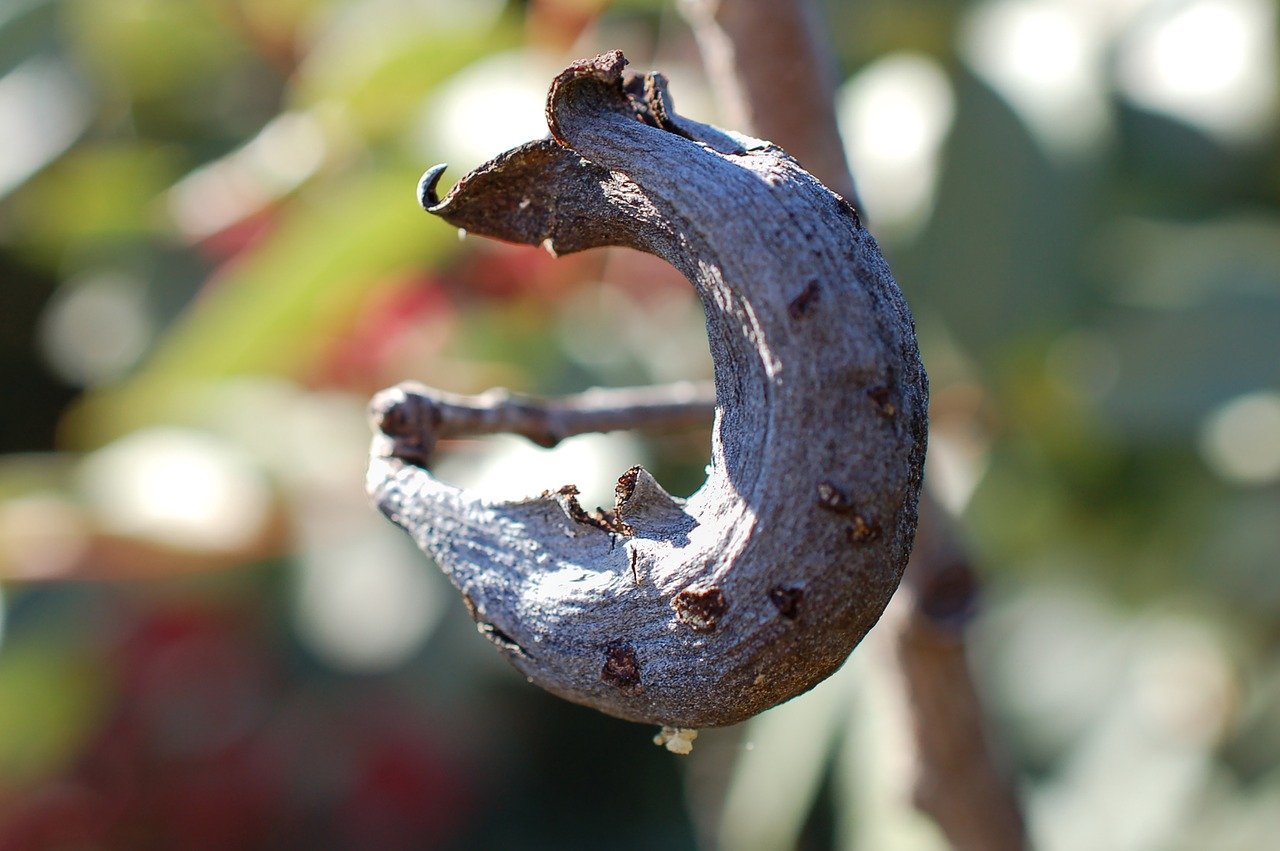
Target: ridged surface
x: 705, y: 613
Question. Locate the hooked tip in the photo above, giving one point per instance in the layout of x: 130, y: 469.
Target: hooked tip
x: 427, y: 186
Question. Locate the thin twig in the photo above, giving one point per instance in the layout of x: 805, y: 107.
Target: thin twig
x: 546, y: 422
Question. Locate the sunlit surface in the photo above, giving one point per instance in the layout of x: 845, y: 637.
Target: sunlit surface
x: 181, y: 488
x: 1241, y: 440
x: 894, y: 116
x: 1211, y: 63
x: 365, y: 600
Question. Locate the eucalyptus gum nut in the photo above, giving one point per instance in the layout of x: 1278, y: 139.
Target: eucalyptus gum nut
x: 703, y: 612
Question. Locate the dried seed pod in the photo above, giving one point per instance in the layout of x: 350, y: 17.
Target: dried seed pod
x: 698, y: 613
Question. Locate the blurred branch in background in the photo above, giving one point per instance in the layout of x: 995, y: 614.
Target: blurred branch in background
x: 774, y: 76
x: 211, y: 256
x: 959, y: 776
x: 770, y: 65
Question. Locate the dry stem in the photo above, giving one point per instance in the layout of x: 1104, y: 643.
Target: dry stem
x: 705, y: 612
x: 754, y: 51
x: 546, y: 422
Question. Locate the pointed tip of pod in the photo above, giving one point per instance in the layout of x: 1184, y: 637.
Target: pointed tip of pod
x: 427, y: 186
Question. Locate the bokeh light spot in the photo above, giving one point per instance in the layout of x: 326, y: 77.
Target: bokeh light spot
x: 1044, y: 57
x: 895, y: 115
x: 1211, y: 63
x: 1240, y: 441
x: 181, y: 488
x: 94, y: 329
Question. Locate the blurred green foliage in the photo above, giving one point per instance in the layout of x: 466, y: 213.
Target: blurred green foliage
x: 207, y: 223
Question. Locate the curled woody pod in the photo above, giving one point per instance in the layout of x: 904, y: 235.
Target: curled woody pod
x: 702, y: 612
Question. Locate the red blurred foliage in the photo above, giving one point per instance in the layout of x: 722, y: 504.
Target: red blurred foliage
x: 401, y: 791
x: 210, y: 743
x: 412, y: 320
x: 416, y: 311
x: 499, y: 272
x: 229, y: 243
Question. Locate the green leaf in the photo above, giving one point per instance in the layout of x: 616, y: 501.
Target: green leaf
x: 49, y: 701
x: 277, y: 310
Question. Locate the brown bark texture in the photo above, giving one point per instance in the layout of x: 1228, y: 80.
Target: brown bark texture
x: 702, y: 612
x: 754, y: 50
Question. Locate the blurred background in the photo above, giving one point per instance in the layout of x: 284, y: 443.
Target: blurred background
x: 211, y: 256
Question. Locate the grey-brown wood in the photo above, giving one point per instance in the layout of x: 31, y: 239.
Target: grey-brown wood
x: 771, y: 66
x: 705, y: 612
x: 751, y: 48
